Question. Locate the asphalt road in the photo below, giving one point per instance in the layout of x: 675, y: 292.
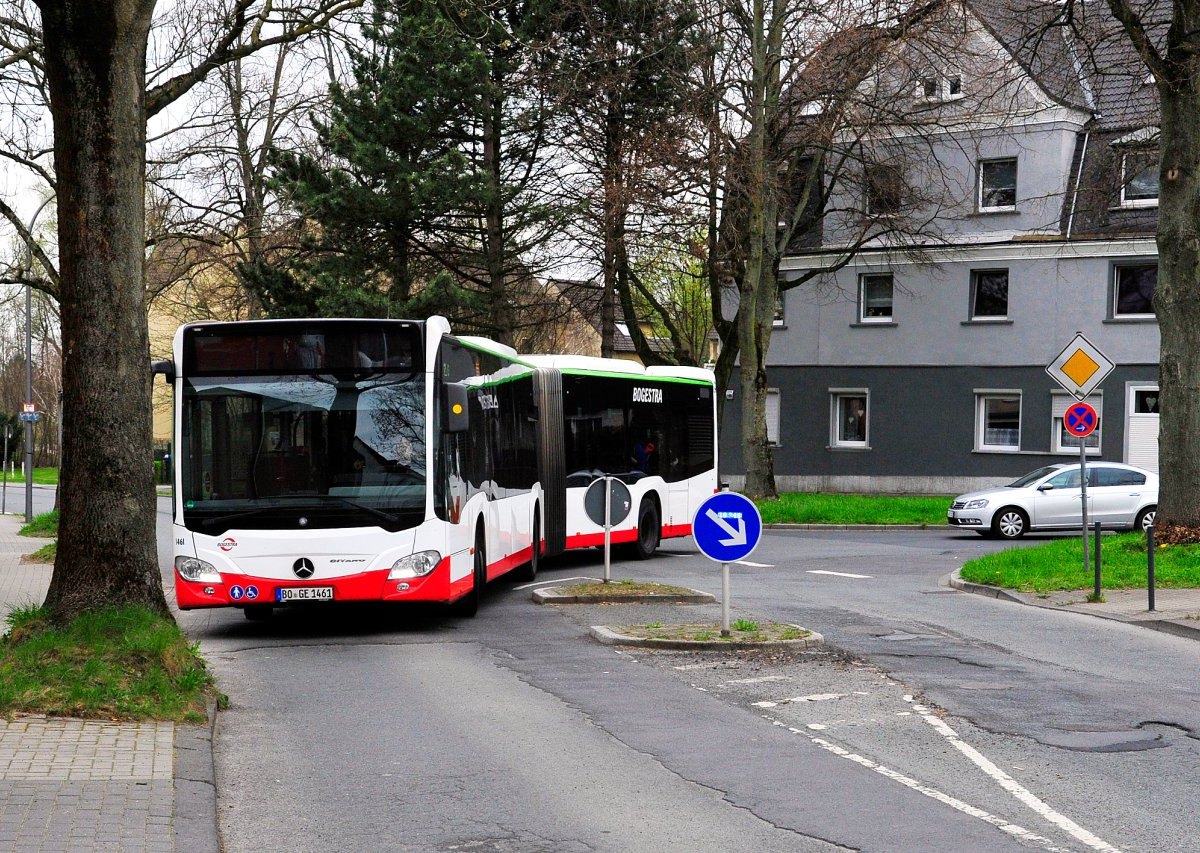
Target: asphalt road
x: 936, y: 720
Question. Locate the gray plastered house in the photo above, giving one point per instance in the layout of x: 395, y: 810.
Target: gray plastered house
x: 1026, y: 161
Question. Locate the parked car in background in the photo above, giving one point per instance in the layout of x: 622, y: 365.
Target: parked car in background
x: 1119, y: 497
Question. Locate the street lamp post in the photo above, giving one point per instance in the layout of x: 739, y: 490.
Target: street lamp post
x: 29, y: 360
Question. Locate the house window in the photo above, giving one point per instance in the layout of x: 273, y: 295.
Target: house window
x: 1133, y: 290
x: 772, y: 404
x: 875, y: 298
x: 777, y: 320
x: 989, y: 294
x: 1065, y: 442
x: 885, y: 189
x: 998, y: 184
x: 1139, y: 178
x: 849, y: 418
x: 998, y: 420
x: 940, y: 88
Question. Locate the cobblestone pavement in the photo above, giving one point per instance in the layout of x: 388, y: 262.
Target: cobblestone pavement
x: 91, y: 785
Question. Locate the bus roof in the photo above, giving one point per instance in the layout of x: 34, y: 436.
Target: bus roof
x: 592, y: 364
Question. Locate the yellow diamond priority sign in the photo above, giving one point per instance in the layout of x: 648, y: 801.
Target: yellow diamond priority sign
x: 1080, y: 367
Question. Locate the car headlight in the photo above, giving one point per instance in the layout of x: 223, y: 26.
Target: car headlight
x: 415, y: 565
x: 978, y: 503
x: 199, y: 571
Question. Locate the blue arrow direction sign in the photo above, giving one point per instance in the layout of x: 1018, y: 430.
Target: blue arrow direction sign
x: 727, y: 527
x: 1080, y: 419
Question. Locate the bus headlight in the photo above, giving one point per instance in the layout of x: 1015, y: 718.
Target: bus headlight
x: 415, y: 565
x: 192, y: 569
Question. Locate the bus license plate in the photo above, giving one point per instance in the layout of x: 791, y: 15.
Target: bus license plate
x: 303, y: 593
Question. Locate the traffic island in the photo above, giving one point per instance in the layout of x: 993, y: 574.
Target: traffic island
x: 621, y: 592
x: 743, y: 634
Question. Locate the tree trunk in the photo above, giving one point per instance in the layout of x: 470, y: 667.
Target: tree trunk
x: 759, y: 286
x: 96, y: 69
x: 1177, y: 304
x: 493, y: 125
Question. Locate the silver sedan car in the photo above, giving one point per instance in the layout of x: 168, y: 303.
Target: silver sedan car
x: 1119, y: 497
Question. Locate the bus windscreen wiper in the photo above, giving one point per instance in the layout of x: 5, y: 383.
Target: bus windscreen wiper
x: 370, y: 510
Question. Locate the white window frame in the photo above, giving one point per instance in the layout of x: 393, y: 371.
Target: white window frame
x: 982, y: 395
x: 772, y: 416
x: 941, y: 87
x: 1116, y: 290
x: 1125, y: 178
x: 836, y: 398
x: 862, y: 298
x: 979, y: 194
x: 985, y: 318
x: 1060, y: 443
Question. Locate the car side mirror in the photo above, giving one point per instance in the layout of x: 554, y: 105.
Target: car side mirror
x: 1046, y: 487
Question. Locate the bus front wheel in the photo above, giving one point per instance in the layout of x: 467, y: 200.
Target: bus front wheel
x: 649, y: 531
x: 468, y: 605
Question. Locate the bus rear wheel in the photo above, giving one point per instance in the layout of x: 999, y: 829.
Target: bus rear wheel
x: 649, y: 531
x: 528, y: 571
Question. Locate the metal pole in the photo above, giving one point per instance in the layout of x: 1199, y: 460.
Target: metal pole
x: 1083, y: 501
x: 28, y: 399
x: 724, y: 599
x: 1150, y: 566
x: 1098, y: 561
x: 4, y: 471
x: 29, y: 358
x: 607, y: 523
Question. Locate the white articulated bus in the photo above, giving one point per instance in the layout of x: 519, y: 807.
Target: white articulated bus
x: 389, y: 460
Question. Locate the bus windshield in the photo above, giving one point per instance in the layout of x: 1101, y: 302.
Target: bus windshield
x: 303, y: 451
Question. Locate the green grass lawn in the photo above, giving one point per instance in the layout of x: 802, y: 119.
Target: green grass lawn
x: 1059, y: 565
x: 45, y: 525
x: 120, y: 663
x: 806, y: 508
x: 41, y: 476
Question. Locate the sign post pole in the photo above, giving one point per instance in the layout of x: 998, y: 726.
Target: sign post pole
x: 724, y: 599
x: 607, y: 527
x: 1083, y: 498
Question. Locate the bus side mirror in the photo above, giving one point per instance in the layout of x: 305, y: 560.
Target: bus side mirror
x: 166, y: 367
x: 454, y: 416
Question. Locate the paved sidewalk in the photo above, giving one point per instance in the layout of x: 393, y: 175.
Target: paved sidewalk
x: 92, y: 785
x: 1176, y: 611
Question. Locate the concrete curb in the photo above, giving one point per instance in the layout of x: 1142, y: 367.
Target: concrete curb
x: 196, y: 787
x: 551, y: 595
x: 1175, y: 627
x: 611, y: 637
x: 783, y: 526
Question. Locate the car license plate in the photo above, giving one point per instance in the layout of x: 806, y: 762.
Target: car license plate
x: 285, y: 594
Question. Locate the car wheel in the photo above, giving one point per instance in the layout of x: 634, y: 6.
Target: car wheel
x: 1145, y: 519
x: 649, y: 531
x: 1010, y: 523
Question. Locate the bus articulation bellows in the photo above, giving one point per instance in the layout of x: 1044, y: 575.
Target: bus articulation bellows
x: 389, y: 460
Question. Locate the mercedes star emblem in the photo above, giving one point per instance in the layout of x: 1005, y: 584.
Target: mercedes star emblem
x: 304, y: 568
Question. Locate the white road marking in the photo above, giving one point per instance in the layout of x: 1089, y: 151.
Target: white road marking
x: 816, y: 697
x: 754, y: 565
x: 1013, y: 787
x: 965, y: 808
x: 837, y: 574
x: 761, y: 680
x: 554, y: 582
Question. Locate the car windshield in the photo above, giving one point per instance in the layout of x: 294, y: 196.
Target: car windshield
x: 1033, y: 476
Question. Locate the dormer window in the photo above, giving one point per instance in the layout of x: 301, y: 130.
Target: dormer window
x: 1139, y: 178
x: 940, y: 87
